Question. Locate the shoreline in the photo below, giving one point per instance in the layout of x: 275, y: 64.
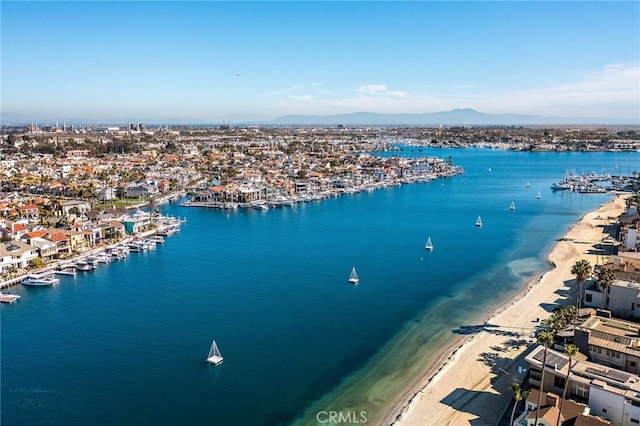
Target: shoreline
x: 472, y: 387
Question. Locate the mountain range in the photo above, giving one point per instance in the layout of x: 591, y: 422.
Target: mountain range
x: 455, y: 117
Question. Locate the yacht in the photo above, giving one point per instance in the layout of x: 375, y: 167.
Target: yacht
x: 40, y: 280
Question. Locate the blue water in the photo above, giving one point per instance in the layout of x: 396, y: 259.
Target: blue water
x: 126, y: 344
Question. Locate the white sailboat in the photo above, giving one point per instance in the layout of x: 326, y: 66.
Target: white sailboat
x: 479, y: 221
x: 429, y: 245
x: 214, y: 357
x: 538, y: 195
x: 353, y: 278
x: 512, y: 206
x: 528, y: 185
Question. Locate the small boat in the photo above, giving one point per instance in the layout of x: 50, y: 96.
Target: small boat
x: 8, y: 298
x: 214, y: 357
x: 68, y: 270
x: 538, y: 195
x: 353, y: 278
x: 429, y: 245
x: 512, y: 206
x: 479, y: 221
x: 40, y: 280
x: 528, y: 185
x: 82, y: 265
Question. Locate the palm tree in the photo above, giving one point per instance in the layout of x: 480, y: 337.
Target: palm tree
x: 605, y: 277
x: 545, y: 339
x: 517, y: 397
x: 570, y: 350
x: 581, y: 269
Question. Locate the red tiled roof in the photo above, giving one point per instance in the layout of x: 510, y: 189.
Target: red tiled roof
x: 58, y: 236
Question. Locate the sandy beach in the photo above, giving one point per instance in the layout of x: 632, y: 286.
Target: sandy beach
x: 470, y: 383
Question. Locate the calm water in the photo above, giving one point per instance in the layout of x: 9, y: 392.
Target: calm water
x: 126, y: 344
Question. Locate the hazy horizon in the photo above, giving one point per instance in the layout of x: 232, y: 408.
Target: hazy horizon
x: 209, y: 62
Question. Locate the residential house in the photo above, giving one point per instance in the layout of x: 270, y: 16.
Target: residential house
x: 62, y: 241
x: 611, y: 342
x: 28, y: 211
x: 137, y: 223
x: 137, y: 190
x: 47, y: 250
x: 572, y: 414
x: 609, y: 393
x: 16, y: 254
x: 77, y: 207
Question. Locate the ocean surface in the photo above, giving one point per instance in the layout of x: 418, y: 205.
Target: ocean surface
x: 126, y: 344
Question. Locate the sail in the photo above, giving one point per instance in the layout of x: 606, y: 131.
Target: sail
x: 479, y: 221
x: 214, y: 351
x: 512, y: 206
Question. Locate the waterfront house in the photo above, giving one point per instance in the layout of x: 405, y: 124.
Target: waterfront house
x: 47, y: 250
x: 62, y: 241
x: 572, y: 414
x: 112, y: 229
x: 16, y: 255
x: 610, y: 342
x: 137, y: 223
x: 622, y: 297
x: 609, y: 393
x: 79, y: 241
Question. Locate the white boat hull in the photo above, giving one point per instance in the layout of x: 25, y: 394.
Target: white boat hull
x: 215, y: 360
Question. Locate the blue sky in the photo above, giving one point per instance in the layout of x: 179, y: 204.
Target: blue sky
x: 210, y: 61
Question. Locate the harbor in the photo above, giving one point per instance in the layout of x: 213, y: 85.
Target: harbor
x: 244, y: 276
x: 103, y: 254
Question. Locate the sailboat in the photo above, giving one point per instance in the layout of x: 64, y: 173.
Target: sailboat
x: 512, y: 206
x: 539, y: 195
x: 479, y: 221
x: 528, y: 185
x: 429, y: 245
x: 214, y: 357
x: 353, y: 278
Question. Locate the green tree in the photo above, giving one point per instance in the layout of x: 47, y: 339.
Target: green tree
x: 517, y: 397
x: 545, y: 339
x: 571, y: 351
x: 605, y: 277
x: 581, y: 269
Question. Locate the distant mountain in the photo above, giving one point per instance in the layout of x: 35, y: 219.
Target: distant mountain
x: 465, y: 116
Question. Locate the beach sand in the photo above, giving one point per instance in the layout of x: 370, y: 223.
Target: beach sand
x: 470, y: 384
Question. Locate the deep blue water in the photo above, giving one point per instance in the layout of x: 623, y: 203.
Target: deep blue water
x: 126, y: 344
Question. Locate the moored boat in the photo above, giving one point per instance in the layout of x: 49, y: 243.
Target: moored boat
x: 214, y: 357
x: 8, y: 298
x: 353, y: 278
x: 40, y: 280
x: 429, y: 244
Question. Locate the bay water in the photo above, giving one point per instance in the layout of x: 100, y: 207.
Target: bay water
x: 126, y: 344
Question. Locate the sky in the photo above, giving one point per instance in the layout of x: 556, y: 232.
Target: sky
x: 213, y: 61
